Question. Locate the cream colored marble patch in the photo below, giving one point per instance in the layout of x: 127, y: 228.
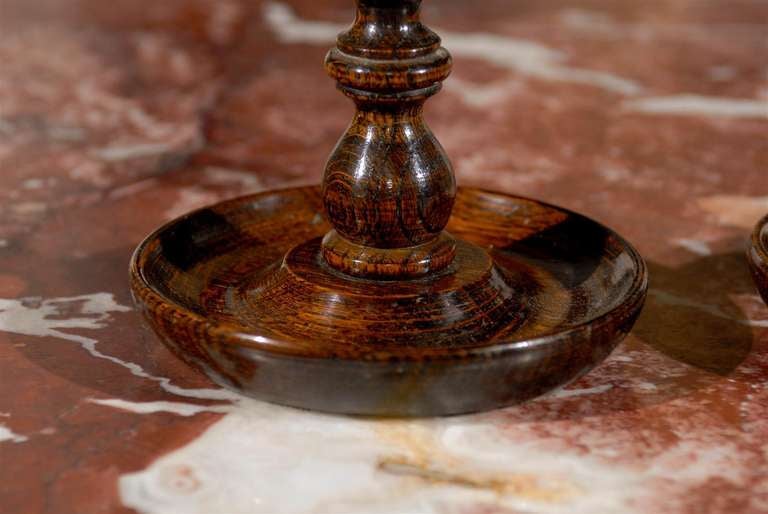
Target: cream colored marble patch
x: 263, y: 458
x: 189, y: 199
x: 6, y: 434
x: 694, y: 246
x: 247, y: 181
x: 736, y: 210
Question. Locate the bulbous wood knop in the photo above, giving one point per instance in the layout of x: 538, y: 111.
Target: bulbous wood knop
x: 388, y: 185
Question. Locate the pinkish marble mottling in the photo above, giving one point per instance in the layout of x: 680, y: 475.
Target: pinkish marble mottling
x: 116, y: 116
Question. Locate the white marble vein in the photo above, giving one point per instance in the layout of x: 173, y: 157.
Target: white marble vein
x: 51, y: 317
x: 736, y: 210
x: 694, y: 246
x: 570, y: 393
x: 261, y: 458
x: 531, y: 59
x: 6, y: 434
x: 180, y: 408
x: 697, y: 105
x: 522, y: 56
x: 135, y: 151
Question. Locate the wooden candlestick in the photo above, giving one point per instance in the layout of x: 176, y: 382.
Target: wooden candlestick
x: 388, y: 187
x: 388, y: 190
x: 379, y: 310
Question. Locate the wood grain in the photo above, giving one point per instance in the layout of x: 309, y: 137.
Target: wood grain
x: 406, y: 298
x: 757, y: 256
x: 538, y: 296
x: 388, y: 184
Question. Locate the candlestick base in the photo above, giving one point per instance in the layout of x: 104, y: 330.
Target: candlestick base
x: 535, y: 297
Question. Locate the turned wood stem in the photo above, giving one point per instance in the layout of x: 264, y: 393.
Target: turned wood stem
x: 388, y: 187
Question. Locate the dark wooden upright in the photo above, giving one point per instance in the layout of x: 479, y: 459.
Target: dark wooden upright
x: 388, y: 187
x: 757, y: 256
x: 377, y: 309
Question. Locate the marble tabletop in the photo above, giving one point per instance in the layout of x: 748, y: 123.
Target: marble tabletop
x: 651, y: 117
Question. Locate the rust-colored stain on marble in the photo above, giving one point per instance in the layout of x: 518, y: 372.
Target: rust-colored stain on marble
x: 419, y: 450
x: 519, y: 485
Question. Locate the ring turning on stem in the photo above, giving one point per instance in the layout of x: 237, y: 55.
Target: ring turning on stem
x: 388, y: 187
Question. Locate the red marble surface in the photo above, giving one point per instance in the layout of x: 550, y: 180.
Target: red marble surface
x: 117, y: 116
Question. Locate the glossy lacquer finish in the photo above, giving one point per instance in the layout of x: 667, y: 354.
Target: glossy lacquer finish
x: 757, y: 255
x: 556, y: 295
x: 388, y: 184
x: 384, y: 292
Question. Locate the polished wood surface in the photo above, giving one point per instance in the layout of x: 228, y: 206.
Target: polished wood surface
x: 757, y: 256
x: 383, y: 292
x: 388, y: 186
x: 541, y: 295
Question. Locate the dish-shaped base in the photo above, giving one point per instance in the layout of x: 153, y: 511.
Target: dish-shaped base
x: 757, y: 255
x: 535, y: 297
